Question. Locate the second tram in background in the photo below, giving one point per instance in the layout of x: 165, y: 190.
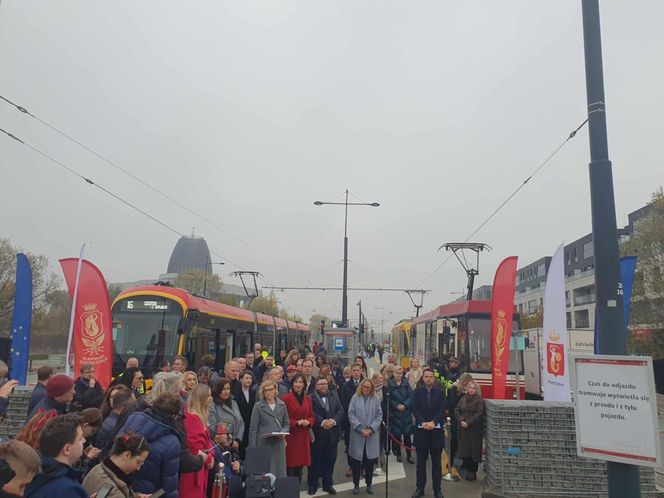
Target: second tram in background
x: 461, y: 329
x: 156, y: 322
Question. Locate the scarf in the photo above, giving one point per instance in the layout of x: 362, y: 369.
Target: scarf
x: 118, y: 472
x: 470, y: 403
x: 299, y: 397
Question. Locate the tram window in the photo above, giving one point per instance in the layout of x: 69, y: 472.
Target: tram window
x: 282, y: 343
x: 211, y: 335
x: 264, y: 336
x: 447, y: 341
x: 479, y: 345
x: 148, y: 333
x: 403, y: 346
x: 243, y: 339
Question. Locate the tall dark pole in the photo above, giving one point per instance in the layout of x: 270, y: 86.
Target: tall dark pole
x: 623, y: 479
x: 359, y: 322
x: 344, y: 297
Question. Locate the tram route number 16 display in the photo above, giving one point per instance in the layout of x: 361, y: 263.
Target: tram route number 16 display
x: 146, y: 305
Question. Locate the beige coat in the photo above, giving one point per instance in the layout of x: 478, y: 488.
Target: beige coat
x: 100, y: 475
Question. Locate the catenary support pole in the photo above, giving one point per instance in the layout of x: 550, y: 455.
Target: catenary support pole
x: 623, y: 480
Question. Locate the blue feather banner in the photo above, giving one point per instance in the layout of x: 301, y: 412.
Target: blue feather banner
x: 22, y: 320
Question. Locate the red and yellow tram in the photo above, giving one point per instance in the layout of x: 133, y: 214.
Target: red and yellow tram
x: 156, y: 322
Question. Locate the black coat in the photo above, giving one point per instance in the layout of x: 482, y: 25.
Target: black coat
x: 347, y: 392
x: 470, y: 440
x: 245, y: 410
x: 86, y: 396
x: 333, y: 410
x: 401, y: 423
x: 425, y: 411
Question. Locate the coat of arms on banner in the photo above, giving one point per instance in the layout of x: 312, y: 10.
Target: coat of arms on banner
x: 555, y: 356
x: 501, y: 341
x: 92, y: 329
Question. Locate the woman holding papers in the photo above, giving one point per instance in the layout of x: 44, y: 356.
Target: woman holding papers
x: 225, y: 412
x: 364, y: 418
x: 269, y: 426
x: 300, y: 414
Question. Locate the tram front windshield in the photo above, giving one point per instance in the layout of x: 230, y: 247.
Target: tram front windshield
x: 145, y: 327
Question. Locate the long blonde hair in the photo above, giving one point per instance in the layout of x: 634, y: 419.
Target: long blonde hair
x: 198, y: 402
x: 185, y: 377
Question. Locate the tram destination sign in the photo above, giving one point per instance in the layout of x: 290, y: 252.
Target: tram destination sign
x: 616, y: 409
x: 145, y: 305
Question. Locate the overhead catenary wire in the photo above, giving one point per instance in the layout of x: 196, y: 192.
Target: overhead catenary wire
x: 105, y: 190
x: 119, y: 198
x: 148, y: 185
x: 509, y: 197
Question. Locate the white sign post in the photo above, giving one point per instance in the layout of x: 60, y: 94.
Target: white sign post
x: 616, y: 409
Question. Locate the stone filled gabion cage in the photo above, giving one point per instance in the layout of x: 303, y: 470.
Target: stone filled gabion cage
x: 17, y: 412
x: 531, y: 452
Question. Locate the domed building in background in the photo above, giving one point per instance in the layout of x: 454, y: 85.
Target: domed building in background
x: 190, y: 253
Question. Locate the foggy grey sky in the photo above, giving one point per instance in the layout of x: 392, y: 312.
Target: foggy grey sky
x: 249, y: 111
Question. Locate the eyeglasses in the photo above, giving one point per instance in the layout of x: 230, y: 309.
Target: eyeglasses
x: 269, y: 389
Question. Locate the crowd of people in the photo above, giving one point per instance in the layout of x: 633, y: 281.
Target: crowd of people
x: 138, y: 437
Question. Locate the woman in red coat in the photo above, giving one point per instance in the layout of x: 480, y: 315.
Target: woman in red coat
x: 194, y: 484
x: 301, y: 416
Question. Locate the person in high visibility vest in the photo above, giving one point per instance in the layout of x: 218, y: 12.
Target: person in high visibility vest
x: 438, y: 368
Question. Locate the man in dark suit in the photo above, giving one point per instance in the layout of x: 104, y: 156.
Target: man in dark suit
x: 329, y: 414
x: 347, y: 392
x: 429, y: 408
x: 245, y: 399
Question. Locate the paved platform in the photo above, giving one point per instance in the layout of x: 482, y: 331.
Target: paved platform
x: 401, y: 483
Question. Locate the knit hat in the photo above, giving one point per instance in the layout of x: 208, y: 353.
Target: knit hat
x: 291, y: 368
x: 58, y: 385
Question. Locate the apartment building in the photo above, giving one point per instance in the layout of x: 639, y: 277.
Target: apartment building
x: 579, y: 278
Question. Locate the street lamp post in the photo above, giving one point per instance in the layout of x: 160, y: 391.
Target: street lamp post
x: 623, y: 479
x: 382, y: 323
x: 207, y: 265
x: 344, y: 298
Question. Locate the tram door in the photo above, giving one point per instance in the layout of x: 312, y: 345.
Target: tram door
x: 446, y: 337
x: 282, y: 344
x: 222, y: 348
x: 209, y: 341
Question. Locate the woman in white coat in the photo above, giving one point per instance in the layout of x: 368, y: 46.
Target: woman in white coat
x: 364, y: 417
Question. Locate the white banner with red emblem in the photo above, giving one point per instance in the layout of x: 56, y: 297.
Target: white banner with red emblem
x: 555, y: 340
